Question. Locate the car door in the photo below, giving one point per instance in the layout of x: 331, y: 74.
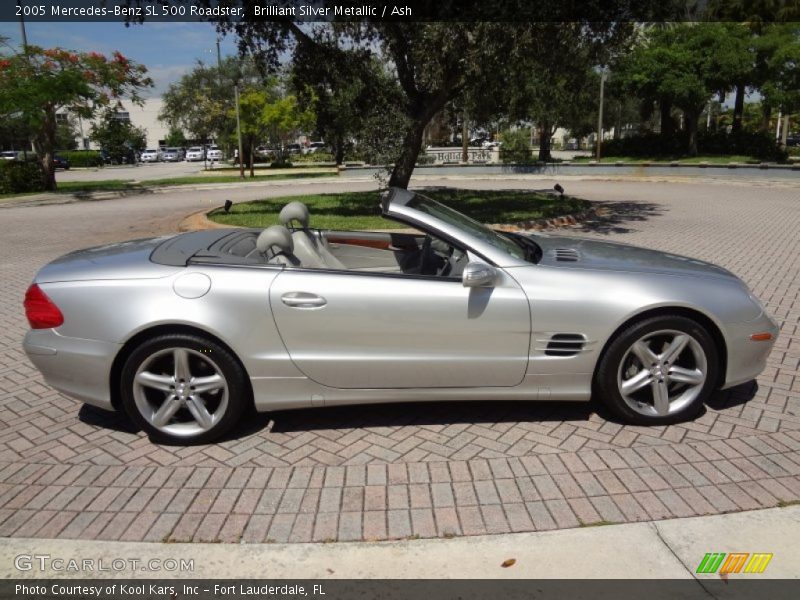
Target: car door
x: 370, y: 330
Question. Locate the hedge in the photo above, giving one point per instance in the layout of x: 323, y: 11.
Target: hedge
x: 82, y: 158
x: 758, y: 145
x: 18, y: 177
x: 313, y: 157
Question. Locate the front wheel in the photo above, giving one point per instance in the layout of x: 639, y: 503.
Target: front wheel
x: 183, y: 389
x: 658, y: 371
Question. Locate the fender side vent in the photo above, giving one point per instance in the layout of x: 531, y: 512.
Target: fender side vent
x: 565, y: 344
x: 566, y: 255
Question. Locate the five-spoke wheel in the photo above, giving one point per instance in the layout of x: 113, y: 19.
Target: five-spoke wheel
x: 183, y: 388
x: 659, y: 370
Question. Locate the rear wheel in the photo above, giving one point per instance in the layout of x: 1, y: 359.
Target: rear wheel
x: 658, y: 371
x: 183, y: 389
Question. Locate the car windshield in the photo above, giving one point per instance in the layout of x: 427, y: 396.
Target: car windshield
x: 471, y: 226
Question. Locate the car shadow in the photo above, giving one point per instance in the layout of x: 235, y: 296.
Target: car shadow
x: 420, y: 414
x: 616, y: 217
x: 107, y: 419
x: 485, y: 412
x: 735, y: 396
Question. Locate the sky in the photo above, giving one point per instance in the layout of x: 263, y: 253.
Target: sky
x: 168, y: 50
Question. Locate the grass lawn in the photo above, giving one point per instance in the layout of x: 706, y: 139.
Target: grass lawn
x: 359, y: 210
x: 711, y: 159
x: 121, y: 185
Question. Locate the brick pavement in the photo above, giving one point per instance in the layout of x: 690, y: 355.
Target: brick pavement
x: 411, y: 470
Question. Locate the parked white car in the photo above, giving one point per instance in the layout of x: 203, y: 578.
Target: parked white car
x: 151, y: 155
x: 195, y: 153
x: 214, y: 153
x: 314, y: 147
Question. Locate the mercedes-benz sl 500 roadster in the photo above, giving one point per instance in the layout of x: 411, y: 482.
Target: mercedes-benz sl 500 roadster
x: 186, y: 332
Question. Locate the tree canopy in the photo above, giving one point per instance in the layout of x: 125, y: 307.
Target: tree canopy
x: 38, y: 83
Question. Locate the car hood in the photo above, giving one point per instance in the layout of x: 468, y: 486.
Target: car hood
x: 123, y: 260
x: 578, y: 253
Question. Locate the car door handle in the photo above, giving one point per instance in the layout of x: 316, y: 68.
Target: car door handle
x: 303, y: 300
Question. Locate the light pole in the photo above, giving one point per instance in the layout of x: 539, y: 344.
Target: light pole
x: 22, y: 29
x: 239, y: 132
x: 600, y: 113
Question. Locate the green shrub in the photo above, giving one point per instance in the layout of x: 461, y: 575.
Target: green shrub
x: 425, y: 159
x: 652, y: 145
x: 313, y: 157
x: 647, y: 145
x: 83, y: 158
x: 17, y: 177
x: 516, y: 146
x: 757, y: 144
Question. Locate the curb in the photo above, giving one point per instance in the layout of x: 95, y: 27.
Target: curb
x: 553, y: 222
x: 674, y: 548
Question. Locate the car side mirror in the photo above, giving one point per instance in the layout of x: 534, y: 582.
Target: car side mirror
x: 477, y: 274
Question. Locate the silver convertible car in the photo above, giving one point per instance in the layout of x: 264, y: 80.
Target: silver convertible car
x: 184, y: 333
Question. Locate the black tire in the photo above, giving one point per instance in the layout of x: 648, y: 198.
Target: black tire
x: 606, y: 385
x: 204, y: 354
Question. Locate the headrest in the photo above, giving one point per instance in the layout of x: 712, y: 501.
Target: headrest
x: 275, y: 236
x: 295, y: 211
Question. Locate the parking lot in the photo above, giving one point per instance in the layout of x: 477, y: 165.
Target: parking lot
x: 427, y: 470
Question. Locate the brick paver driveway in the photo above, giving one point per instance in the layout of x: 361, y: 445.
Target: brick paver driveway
x: 423, y: 470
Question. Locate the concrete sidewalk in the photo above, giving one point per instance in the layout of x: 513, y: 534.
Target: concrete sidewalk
x: 670, y: 549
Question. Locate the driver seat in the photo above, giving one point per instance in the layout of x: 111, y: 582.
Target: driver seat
x: 309, y: 248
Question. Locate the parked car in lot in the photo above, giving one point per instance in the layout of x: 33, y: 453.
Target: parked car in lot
x: 59, y: 162
x: 315, y: 147
x: 184, y: 333
x: 214, y: 153
x: 151, y: 155
x: 195, y: 153
x: 265, y: 152
x: 173, y: 155
x: 9, y: 155
x: 293, y: 149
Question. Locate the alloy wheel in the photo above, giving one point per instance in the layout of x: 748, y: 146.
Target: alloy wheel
x: 662, y: 372
x: 180, y: 392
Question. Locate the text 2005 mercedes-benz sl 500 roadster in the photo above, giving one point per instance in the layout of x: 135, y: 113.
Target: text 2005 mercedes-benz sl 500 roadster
x: 185, y: 332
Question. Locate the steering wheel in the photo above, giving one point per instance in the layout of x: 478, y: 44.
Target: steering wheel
x: 424, y: 255
x: 454, y: 261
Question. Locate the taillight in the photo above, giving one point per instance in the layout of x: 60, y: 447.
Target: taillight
x: 40, y: 310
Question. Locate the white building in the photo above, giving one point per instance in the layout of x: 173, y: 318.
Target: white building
x: 144, y: 116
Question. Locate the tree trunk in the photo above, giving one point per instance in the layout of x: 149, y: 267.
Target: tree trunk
x: 43, y: 145
x: 545, y: 133
x: 738, y: 108
x: 667, y: 124
x: 690, y: 119
x: 252, y: 159
x: 339, y: 150
x: 412, y: 144
x: 766, y: 114
x: 464, y: 139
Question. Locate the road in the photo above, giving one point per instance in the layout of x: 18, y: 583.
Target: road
x: 432, y: 470
x: 140, y: 172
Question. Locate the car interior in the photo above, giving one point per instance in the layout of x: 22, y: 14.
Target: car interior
x: 295, y: 244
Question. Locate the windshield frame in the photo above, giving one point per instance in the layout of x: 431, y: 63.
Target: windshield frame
x: 431, y: 216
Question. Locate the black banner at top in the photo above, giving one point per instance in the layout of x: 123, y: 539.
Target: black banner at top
x: 399, y: 10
